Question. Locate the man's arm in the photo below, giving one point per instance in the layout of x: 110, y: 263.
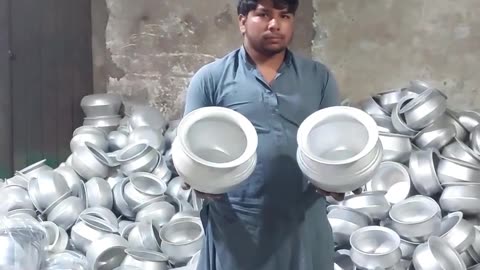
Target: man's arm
x: 199, y: 91
x: 330, y: 93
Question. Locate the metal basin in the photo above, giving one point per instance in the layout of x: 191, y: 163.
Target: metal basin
x: 101, y: 104
x: 13, y: 198
x: 148, y: 183
x: 144, y: 115
x: 138, y: 157
x: 148, y: 135
x: 398, y: 120
x: 436, y: 135
x: 84, y: 233
x: 106, y: 123
x: 459, y: 150
x: 396, y: 147
x: 339, y: 164
x: 146, y: 260
x: 98, y: 193
x: 89, y: 134
x: 437, y: 254
x: 371, y: 106
x: 393, y: 178
x: 181, y: 239
x: 461, y: 133
x: 422, y: 168
x: 456, y: 231
x: 73, y: 180
x: 87, y: 165
x: 117, y: 140
x: 46, y: 188
x: 215, y: 149
x: 464, y: 198
x: 107, y: 253
x: 415, y: 218
x: 453, y: 170
x: 66, y: 212
x: 372, y: 203
x: 344, y: 221
x: 375, y: 247
x: 475, y: 140
x: 157, y: 213
x: 144, y: 236
x: 425, y: 109
x: 384, y: 123
x: 469, y: 119
x: 388, y: 99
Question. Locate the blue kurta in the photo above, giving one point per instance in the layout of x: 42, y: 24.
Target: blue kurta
x: 275, y: 220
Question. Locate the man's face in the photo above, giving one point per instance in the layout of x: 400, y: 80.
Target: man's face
x: 267, y: 29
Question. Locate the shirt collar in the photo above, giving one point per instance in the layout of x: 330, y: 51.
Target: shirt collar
x: 246, y: 59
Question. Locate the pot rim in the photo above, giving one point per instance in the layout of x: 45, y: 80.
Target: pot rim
x: 213, y: 111
x: 356, y: 114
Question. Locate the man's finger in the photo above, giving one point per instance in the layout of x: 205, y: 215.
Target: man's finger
x: 185, y: 186
x: 357, y: 191
x: 338, y: 196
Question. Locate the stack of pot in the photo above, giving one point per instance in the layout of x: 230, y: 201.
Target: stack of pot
x: 116, y: 201
x: 420, y: 208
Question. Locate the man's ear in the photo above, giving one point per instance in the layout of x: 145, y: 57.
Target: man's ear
x: 241, y: 23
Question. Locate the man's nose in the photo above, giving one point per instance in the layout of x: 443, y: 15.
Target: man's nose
x: 273, y: 25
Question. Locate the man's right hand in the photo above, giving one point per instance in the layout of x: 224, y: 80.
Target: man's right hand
x: 201, y: 195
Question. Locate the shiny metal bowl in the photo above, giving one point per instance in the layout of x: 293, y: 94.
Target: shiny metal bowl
x: 344, y: 221
x: 396, y: 147
x: 393, y: 178
x: 453, y: 170
x: 375, y: 247
x: 469, y: 119
x: 437, y: 254
x: 464, y: 198
x: 436, y: 135
x: 101, y: 104
x: 422, y: 168
x: 372, y: 203
x: 456, y: 231
x: 415, y: 218
x: 425, y: 109
x: 459, y: 150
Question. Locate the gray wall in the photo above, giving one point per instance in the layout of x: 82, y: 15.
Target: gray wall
x: 149, y: 49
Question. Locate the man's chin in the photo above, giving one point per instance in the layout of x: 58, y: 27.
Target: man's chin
x: 274, y: 49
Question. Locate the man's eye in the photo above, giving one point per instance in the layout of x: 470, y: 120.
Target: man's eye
x: 262, y: 15
x: 286, y: 16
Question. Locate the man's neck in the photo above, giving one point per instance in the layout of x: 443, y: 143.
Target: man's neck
x: 273, y: 61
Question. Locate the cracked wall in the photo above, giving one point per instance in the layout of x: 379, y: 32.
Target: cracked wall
x: 375, y: 45
x: 148, y: 50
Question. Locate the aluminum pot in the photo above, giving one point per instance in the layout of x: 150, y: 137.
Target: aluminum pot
x: 424, y: 109
x: 181, y: 239
x: 375, y: 247
x: 351, y: 161
x: 393, y: 178
x: 138, y: 157
x: 215, y: 165
x: 415, y: 218
x: 344, y: 221
x: 456, y: 231
x: 461, y: 197
x: 107, y: 253
x: 437, y: 254
x: 396, y: 147
x: 422, y: 168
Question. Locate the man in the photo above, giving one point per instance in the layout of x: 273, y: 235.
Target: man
x: 275, y: 220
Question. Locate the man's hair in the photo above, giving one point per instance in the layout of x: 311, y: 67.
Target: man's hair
x: 245, y: 6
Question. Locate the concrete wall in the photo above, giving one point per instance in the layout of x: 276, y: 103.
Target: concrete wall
x: 149, y: 49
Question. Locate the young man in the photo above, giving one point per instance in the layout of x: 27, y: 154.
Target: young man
x: 275, y: 220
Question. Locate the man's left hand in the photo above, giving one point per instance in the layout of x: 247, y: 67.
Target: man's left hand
x: 336, y: 196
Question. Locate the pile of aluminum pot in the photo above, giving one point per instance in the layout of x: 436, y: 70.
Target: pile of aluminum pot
x: 421, y: 209
x: 116, y: 202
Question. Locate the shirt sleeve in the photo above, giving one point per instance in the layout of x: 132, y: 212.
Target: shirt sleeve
x: 199, y: 91
x: 330, y: 93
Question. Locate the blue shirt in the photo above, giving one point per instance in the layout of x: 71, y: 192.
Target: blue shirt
x: 274, y: 220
